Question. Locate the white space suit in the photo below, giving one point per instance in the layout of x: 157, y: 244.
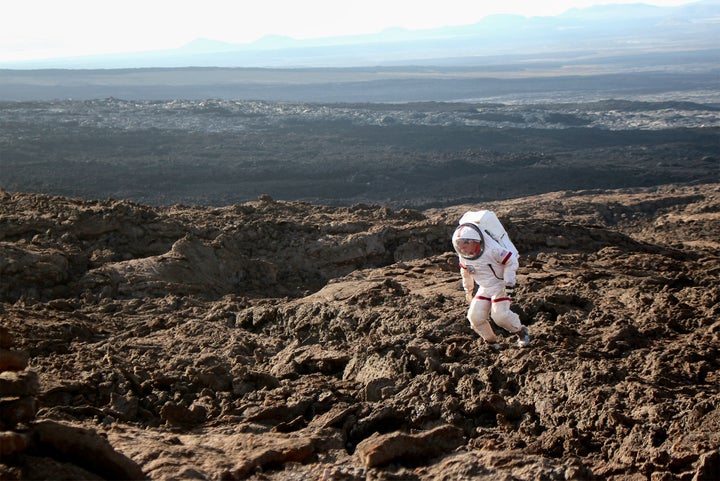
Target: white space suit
x: 483, y: 261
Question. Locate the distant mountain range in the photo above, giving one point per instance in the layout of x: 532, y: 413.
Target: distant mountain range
x: 596, y: 31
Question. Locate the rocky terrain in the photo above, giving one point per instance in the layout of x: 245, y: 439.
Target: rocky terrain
x: 419, y: 155
x: 276, y: 340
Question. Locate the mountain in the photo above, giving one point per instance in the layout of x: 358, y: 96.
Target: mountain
x: 597, y: 30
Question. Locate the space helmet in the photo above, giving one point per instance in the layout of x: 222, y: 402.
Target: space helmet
x: 468, y: 241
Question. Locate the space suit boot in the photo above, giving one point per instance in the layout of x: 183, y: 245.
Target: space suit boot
x: 523, y: 337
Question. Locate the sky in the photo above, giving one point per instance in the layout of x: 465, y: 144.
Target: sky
x: 40, y: 29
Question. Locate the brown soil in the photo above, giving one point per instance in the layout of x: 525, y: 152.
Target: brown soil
x: 284, y: 340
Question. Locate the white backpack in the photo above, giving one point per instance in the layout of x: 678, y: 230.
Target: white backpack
x: 490, y: 225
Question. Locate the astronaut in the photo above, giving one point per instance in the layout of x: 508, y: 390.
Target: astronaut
x: 485, y: 262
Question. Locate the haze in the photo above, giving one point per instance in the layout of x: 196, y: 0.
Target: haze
x: 38, y: 29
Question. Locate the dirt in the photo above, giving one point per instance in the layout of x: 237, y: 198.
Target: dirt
x: 274, y: 340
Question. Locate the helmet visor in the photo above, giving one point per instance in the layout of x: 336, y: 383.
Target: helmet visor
x: 467, y: 241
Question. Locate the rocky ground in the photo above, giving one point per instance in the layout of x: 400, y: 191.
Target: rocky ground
x: 275, y: 340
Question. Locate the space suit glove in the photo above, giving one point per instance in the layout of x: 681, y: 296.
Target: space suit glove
x: 469, y: 296
x: 510, y: 291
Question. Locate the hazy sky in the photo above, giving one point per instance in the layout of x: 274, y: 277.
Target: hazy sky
x: 34, y: 29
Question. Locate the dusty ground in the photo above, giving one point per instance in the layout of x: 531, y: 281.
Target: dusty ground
x: 273, y: 340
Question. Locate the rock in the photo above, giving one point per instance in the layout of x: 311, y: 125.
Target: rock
x: 178, y: 415
x: 31, y: 269
x: 86, y: 449
x: 192, y: 266
x: 285, y: 340
x: 13, y: 442
x: 17, y: 410
x: 20, y: 383
x: 13, y: 360
x: 708, y: 467
x: 270, y: 451
x: 413, y: 448
x: 6, y: 338
x: 18, y: 406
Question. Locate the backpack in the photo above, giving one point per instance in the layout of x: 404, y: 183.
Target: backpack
x: 490, y: 225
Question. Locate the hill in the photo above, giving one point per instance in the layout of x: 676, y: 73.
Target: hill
x: 585, y: 36
x: 288, y: 340
x: 625, y: 50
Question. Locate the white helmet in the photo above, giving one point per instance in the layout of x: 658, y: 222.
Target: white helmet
x: 468, y: 242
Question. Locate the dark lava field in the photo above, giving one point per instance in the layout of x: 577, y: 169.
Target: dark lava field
x: 219, y: 152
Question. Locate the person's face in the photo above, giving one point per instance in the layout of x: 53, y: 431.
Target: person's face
x: 468, y: 247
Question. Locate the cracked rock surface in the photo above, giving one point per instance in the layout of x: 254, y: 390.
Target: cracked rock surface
x: 286, y: 340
